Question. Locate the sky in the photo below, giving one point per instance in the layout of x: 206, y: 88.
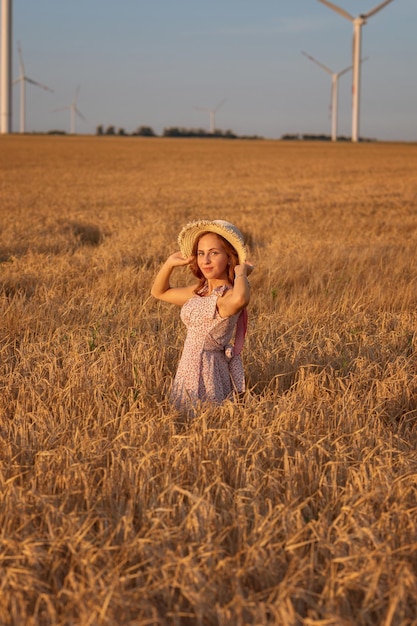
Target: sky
x: 166, y: 63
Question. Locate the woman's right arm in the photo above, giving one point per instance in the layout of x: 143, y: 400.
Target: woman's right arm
x: 162, y: 290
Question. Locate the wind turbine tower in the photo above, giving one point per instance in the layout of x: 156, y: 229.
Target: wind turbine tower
x: 23, y: 79
x: 6, y: 68
x: 335, y: 89
x: 357, y: 22
x: 212, y: 115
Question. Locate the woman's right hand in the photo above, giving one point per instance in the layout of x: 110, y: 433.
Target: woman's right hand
x: 177, y: 260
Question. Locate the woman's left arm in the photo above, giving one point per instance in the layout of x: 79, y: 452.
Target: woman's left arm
x: 238, y: 298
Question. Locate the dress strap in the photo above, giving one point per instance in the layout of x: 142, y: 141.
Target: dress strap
x: 219, y: 291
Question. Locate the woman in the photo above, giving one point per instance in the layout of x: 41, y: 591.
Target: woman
x: 210, y: 369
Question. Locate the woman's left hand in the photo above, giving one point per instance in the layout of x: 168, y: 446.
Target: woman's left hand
x: 244, y: 268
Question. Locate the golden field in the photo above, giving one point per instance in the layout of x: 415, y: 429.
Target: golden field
x: 295, y: 506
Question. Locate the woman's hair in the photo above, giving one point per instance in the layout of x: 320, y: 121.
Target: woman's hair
x: 231, y: 253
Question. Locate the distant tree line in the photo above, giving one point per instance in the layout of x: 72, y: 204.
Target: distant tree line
x: 310, y: 137
x: 147, y: 131
x: 175, y: 131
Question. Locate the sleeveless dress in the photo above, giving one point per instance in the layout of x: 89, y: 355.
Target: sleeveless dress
x: 204, y: 372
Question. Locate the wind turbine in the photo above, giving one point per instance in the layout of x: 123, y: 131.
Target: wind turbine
x: 74, y: 111
x: 212, y: 115
x: 22, y: 80
x: 357, y: 22
x: 6, y: 67
x: 335, y: 88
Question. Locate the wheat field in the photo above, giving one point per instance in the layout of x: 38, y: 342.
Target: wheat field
x: 296, y: 505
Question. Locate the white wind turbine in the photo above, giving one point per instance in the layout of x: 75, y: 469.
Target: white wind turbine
x: 23, y: 79
x: 335, y: 88
x: 74, y: 111
x: 212, y: 115
x: 6, y: 68
x: 357, y: 22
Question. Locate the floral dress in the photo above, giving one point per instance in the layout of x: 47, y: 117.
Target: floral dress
x: 204, y: 372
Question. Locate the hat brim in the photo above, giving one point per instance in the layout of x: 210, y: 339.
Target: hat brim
x: 228, y: 231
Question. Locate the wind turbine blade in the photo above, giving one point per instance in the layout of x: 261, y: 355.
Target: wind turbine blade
x: 61, y: 109
x: 80, y: 114
x: 376, y: 9
x: 324, y: 67
x: 339, y: 10
x: 34, y: 82
x: 347, y: 69
x: 21, y: 64
x: 220, y: 104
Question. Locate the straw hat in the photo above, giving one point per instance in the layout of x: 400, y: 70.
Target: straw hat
x: 191, y: 231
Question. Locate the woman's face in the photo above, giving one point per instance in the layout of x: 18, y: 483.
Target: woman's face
x: 212, y: 258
